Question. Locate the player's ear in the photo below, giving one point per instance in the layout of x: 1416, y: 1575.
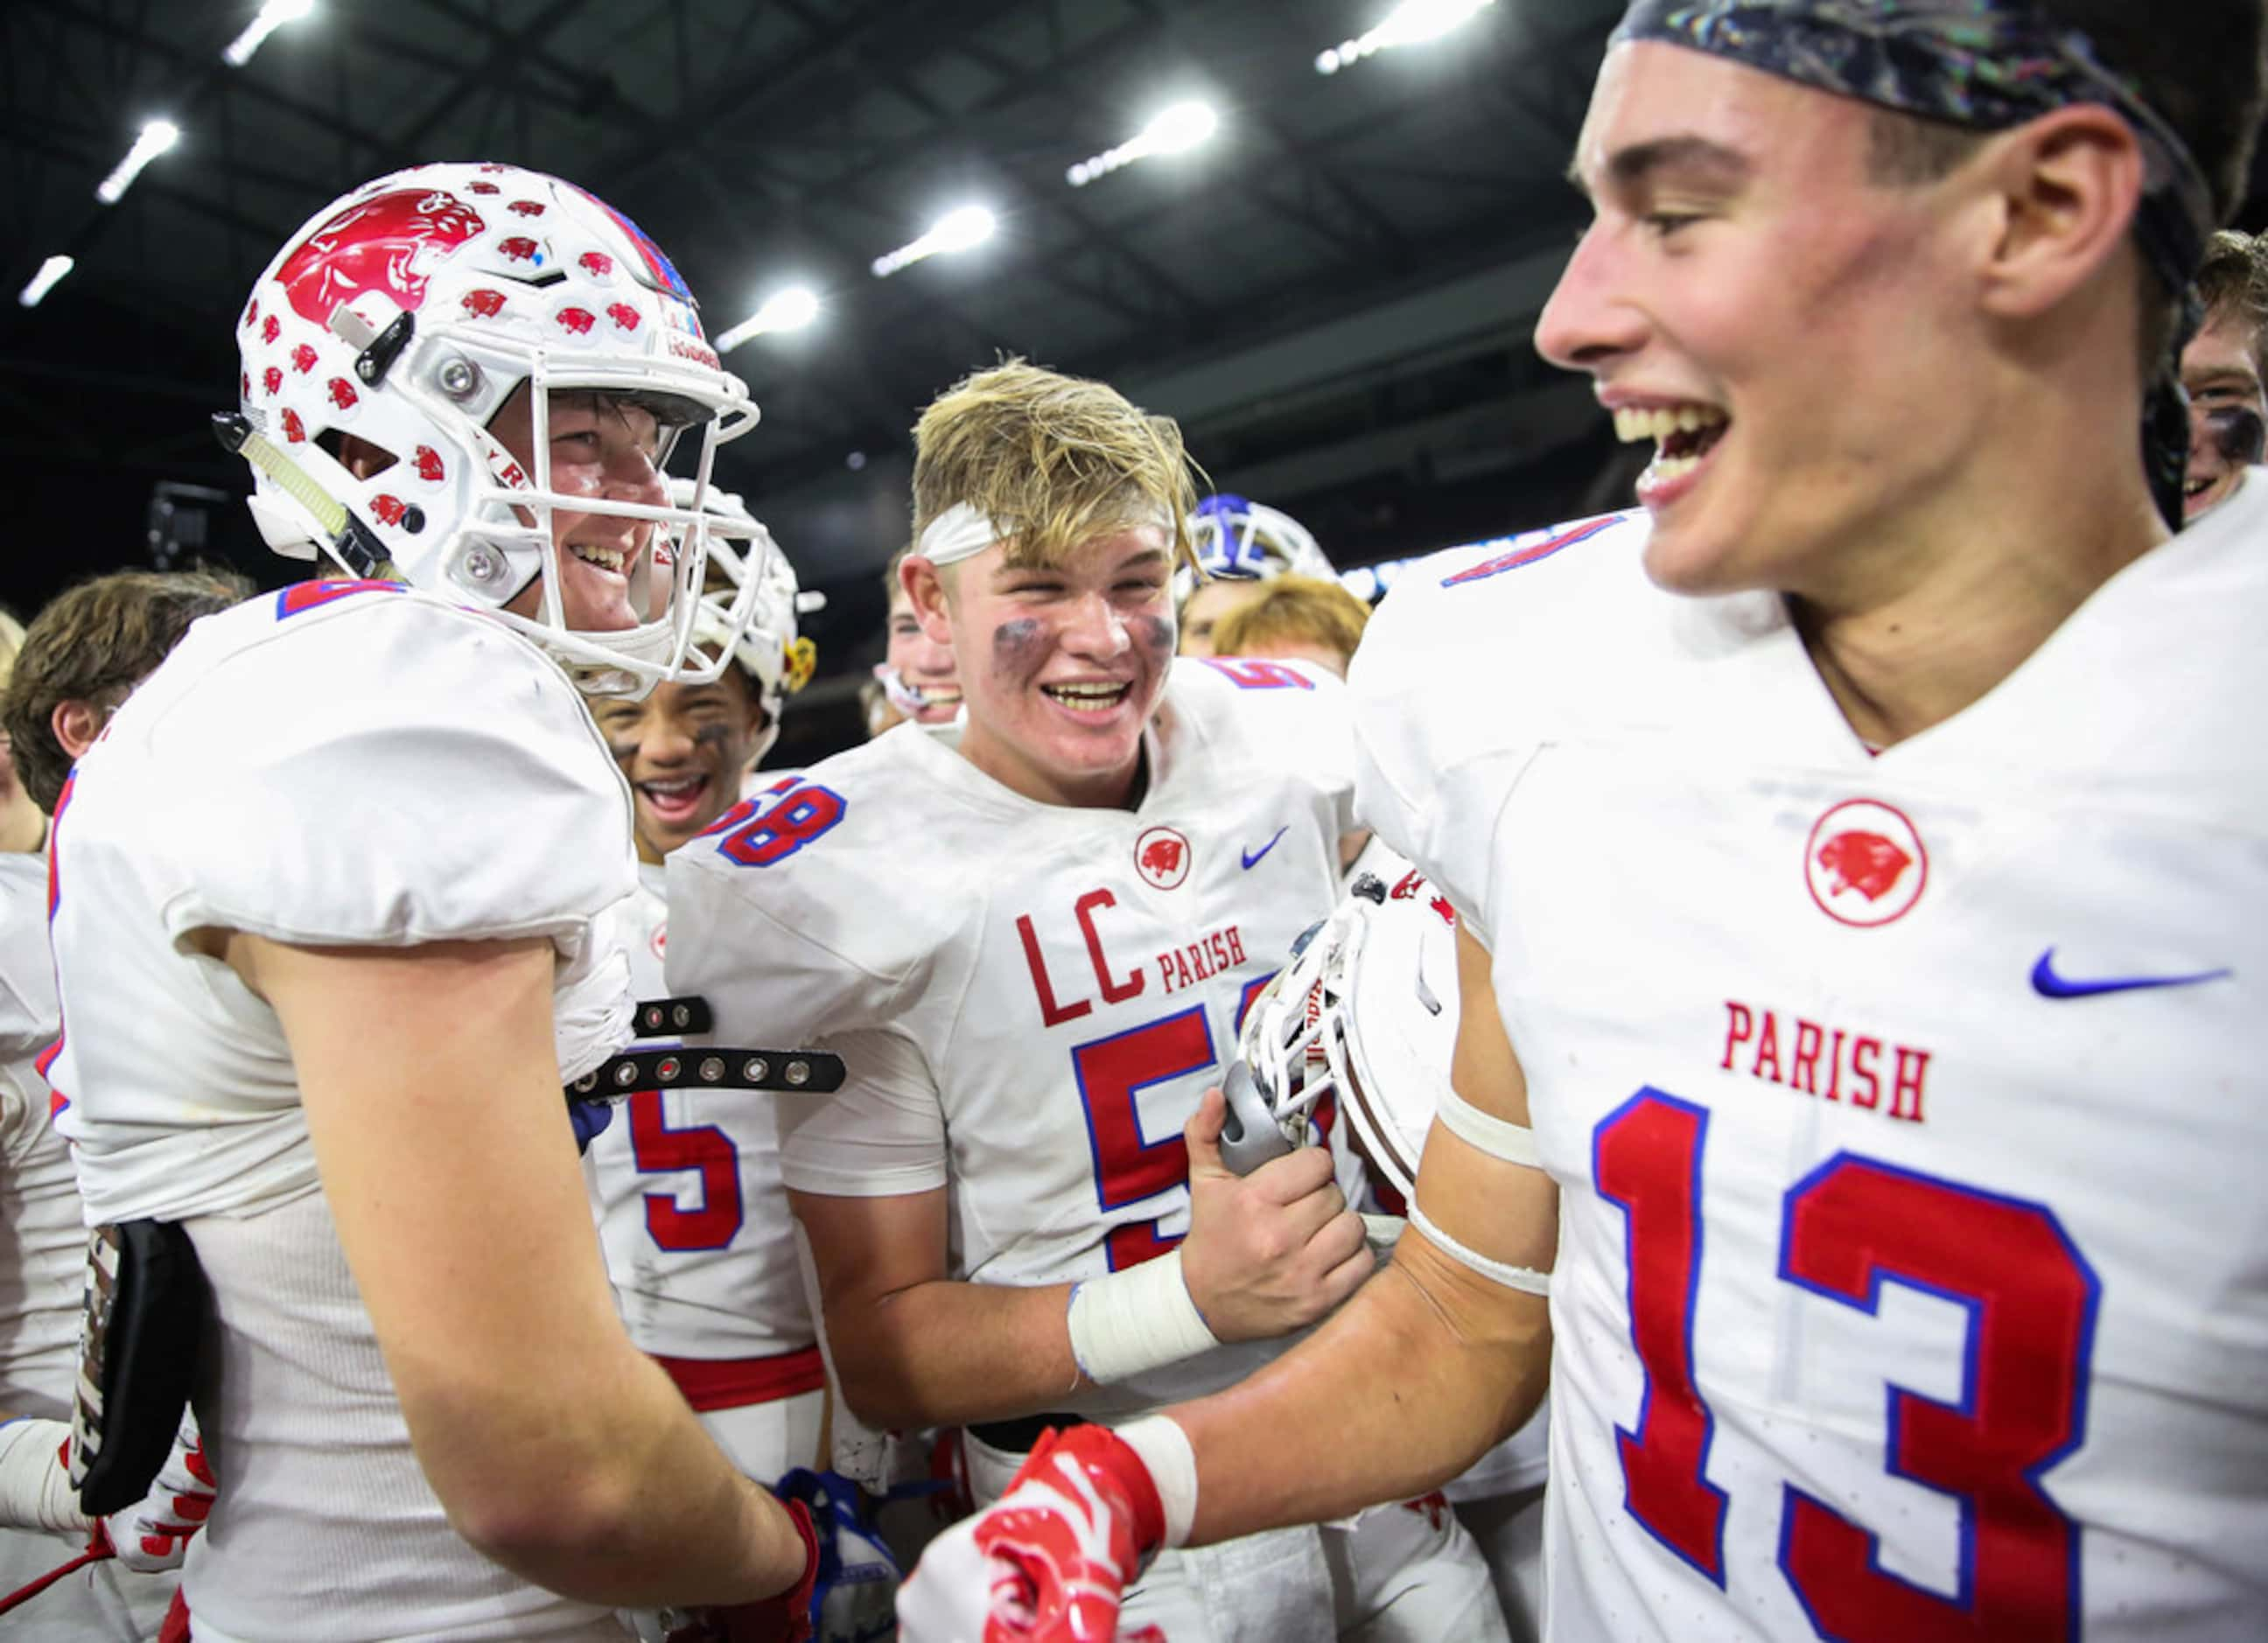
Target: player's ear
x: 362, y: 459
x: 2067, y: 185
x: 931, y: 597
x: 76, y: 723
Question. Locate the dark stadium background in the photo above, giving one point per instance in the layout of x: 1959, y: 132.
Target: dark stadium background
x: 1334, y: 296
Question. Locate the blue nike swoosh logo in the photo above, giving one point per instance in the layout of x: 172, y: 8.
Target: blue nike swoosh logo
x: 2048, y: 984
x: 1252, y: 857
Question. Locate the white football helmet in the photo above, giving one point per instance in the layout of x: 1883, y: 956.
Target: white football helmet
x: 741, y: 551
x: 1366, y: 1009
x: 406, y: 315
x: 1246, y: 542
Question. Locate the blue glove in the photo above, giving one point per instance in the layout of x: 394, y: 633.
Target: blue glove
x: 852, y: 1599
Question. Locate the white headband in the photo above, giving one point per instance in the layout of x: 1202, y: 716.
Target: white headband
x: 962, y: 533
x: 958, y: 533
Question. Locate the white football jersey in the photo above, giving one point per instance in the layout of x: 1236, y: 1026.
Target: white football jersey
x: 340, y: 763
x: 42, y: 1276
x: 1031, y: 999
x: 43, y: 1235
x: 1912, y: 1276
x: 698, y: 1237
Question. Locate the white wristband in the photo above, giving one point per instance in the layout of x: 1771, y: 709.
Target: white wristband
x: 36, y: 1485
x: 1136, y: 1319
x: 1172, y: 1467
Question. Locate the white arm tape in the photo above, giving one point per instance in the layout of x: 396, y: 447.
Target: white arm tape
x: 35, y: 1486
x: 1134, y: 1320
x: 1523, y: 1277
x: 1172, y: 1467
x: 1514, y: 1144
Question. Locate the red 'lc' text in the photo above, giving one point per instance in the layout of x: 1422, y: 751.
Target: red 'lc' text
x: 1070, y: 1004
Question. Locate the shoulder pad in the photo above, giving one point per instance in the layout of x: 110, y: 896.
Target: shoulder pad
x: 1473, y: 655
x: 813, y: 906
x: 382, y: 767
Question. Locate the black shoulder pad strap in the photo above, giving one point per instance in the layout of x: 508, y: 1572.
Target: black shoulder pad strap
x: 711, y: 1067
x: 657, y: 1016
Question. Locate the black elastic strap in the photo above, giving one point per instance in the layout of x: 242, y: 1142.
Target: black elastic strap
x: 711, y: 1067
x: 689, y: 1015
x: 1021, y: 1437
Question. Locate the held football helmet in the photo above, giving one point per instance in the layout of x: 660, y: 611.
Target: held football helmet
x: 1244, y: 540
x: 406, y: 315
x: 743, y: 552
x: 1368, y: 1008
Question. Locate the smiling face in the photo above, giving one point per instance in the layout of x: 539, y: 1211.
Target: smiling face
x: 923, y: 667
x: 2228, y: 409
x: 1788, y: 331
x: 683, y: 750
x: 608, y: 450
x: 1062, y: 668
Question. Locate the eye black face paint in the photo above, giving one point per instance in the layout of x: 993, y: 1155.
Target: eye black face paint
x: 713, y: 735
x: 2238, y: 434
x: 1019, y: 647
x: 1155, y: 635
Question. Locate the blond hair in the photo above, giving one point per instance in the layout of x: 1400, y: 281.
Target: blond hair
x: 1053, y: 461
x: 1293, y: 610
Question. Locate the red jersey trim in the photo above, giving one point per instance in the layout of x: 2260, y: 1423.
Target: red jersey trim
x: 714, y: 1384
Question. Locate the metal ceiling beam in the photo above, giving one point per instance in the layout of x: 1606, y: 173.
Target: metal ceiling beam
x: 586, y: 91
x: 1046, y: 196
x: 210, y: 73
x: 786, y: 95
x: 497, y: 71
x: 1377, y: 227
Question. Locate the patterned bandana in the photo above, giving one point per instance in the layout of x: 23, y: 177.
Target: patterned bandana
x: 1986, y: 65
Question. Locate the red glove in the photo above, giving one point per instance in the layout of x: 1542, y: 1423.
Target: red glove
x: 154, y: 1534
x: 1050, y: 1560
x: 785, y: 1619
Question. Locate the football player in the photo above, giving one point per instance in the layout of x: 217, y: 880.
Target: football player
x: 23, y: 824
x: 82, y: 654
x: 2224, y: 369
x: 916, y: 672
x: 329, y: 925
x: 1296, y: 618
x: 1855, y: 852
x: 1031, y: 939
x: 692, y: 1214
x: 1238, y: 548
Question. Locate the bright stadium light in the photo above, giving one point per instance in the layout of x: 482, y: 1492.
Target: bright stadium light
x: 1409, y: 24
x: 157, y: 136
x: 43, y: 281
x: 959, y: 230
x: 272, y: 17
x: 1180, y: 127
x: 787, y: 310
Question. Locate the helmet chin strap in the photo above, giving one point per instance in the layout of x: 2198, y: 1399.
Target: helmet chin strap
x: 351, y: 541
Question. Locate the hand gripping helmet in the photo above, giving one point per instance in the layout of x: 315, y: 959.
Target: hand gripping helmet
x: 1245, y: 542
x: 743, y: 552
x: 1368, y: 1008
x: 406, y: 315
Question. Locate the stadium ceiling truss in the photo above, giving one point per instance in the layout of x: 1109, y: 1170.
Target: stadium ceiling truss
x: 793, y: 138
